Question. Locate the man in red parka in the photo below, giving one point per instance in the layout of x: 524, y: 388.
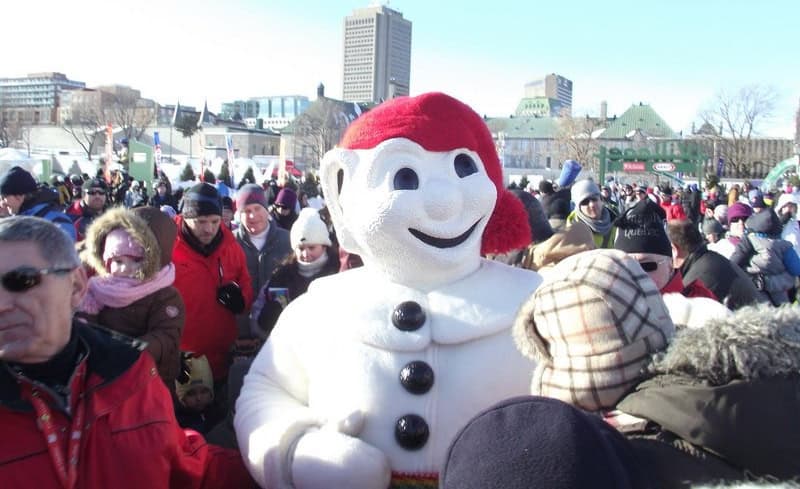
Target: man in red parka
x: 211, y: 275
x: 82, y: 407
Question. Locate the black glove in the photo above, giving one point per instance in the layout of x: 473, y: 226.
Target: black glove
x: 230, y: 296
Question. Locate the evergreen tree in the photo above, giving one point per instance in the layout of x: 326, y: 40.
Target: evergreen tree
x: 208, y: 176
x: 310, y: 185
x: 248, y: 177
x: 188, y: 173
x: 712, y: 180
x: 224, y: 174
x: 523, y: 182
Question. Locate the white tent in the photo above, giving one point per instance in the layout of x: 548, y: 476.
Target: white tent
x: 10, y: 157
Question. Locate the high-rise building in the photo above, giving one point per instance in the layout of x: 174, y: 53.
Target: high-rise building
x: 549, y: 97
x: 34, y: 99
x: 377, y: 55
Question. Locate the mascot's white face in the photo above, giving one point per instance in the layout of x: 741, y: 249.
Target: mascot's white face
x: 417, y: 215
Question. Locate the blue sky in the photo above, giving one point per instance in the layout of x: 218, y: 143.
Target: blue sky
x: 671, y: 54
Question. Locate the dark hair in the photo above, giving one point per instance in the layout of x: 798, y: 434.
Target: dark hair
x: 684, y: 235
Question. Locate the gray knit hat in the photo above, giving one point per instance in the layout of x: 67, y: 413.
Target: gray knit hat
x: 583, y: 190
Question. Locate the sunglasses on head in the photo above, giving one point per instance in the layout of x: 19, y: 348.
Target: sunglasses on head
x: 25, y: 278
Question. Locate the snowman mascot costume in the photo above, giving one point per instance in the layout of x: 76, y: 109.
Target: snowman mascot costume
x: 367, y: 377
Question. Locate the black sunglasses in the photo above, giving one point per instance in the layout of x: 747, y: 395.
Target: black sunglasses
x: 25, y: 278
x: 648, y: 266
x: 96, y: 192
x: 651, y: 265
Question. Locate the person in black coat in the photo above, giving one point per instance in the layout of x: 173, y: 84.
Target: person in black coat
x: 732, y: 286
x: 312, y: 256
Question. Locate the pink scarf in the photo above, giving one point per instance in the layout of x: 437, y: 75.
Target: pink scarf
x: 118, y: 292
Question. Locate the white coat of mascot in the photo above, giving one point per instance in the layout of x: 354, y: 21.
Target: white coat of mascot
x: 368, y: 376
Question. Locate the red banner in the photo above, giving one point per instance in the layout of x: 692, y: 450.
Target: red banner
x: 633, y: 166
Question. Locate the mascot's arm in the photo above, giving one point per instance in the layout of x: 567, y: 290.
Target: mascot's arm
x: 272, y: 411
x: 286, y: 444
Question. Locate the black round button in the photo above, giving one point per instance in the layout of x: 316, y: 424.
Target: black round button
x: 411, y: 432
x: 417, y: 377
x: 408, y: 316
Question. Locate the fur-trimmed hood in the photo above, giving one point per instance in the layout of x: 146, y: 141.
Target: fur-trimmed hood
x: 120, y: 217
x: 755, y: 342
x: 732, y: 389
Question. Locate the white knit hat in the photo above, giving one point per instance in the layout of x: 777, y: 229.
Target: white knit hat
x: 785, y: 199
x: 309, y: 229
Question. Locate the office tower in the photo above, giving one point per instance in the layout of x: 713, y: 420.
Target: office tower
x: 377, y: 55
x: 34, y: 99
x: 550, y: 96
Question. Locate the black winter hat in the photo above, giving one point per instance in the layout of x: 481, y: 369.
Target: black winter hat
x: 95, y: 183
x: 641, y: 230
x: 17, y: 181
x: 201, y: 200
x: 538, y: 442
x: 540, y: 226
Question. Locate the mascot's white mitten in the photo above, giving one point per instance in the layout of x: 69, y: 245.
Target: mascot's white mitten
x: 332, y: 456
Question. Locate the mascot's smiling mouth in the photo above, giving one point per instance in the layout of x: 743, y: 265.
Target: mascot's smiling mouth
x: 443, y: 242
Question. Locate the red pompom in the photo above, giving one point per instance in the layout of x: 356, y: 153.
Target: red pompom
x: 508, y: 228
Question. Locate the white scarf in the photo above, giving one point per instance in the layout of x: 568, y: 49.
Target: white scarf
x: 308, y: 270
x: 259, y: 239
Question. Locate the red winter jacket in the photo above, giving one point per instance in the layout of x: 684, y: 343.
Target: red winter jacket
x: 131, y: 438
x: 674, y: 211
x: 695, y: 289
x: 210, y: 328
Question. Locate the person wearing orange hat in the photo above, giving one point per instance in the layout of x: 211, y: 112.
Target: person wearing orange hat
x: 369, y: 375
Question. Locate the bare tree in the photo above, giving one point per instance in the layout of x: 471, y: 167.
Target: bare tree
x: 4, y: 136
x: 128, y: 111
x: 739, y: 115
x: 24, y: 136
x: 84, y: 125
x: 320, y: 127
x: 575, y: 139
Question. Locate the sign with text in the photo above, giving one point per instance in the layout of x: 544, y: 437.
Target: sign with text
x: 141, y: 162
x: 659, y: 158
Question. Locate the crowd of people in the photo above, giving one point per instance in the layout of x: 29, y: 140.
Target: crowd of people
x: 129, y: 323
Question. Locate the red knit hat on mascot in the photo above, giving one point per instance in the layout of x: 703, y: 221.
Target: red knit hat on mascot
x: 439, y: 123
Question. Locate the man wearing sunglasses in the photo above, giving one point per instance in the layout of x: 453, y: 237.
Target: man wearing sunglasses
x: 20, y: 194
x: 592, y: 211
x: 642, y: 236
x: 93, y: 203
x: 79, y: 404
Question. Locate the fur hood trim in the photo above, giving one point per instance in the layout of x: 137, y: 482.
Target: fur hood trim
x: 755, y: 342
x: 120, y: 217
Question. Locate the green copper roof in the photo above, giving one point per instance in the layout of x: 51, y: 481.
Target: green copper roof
x: 524, y: 127
x: 641, y: 117
x: 535, y: 107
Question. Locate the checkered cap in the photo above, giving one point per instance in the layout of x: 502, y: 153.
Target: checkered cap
x: 593, y: 325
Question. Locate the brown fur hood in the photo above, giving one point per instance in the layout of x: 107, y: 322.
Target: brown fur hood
x: 120, y: 217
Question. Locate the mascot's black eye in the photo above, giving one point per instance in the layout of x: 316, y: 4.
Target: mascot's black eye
x: 406, y: 179
x: 465, y: 165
